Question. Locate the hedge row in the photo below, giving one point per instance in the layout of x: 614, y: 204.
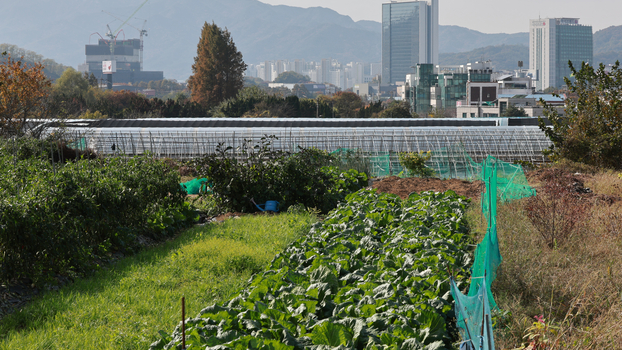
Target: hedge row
x: 57, y: 217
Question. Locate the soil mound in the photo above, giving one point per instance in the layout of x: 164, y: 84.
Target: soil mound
x: 405, y: 186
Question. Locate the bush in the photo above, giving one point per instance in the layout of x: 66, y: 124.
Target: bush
x: 556, y: 211
x: 591, y: 130
x: 415, y: 163
x: 58, y: 217
x: 306, y: 177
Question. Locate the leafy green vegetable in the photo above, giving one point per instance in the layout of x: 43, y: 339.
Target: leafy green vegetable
x: 371, y: 276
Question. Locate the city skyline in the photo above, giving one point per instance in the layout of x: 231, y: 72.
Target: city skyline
x: 462, y: 13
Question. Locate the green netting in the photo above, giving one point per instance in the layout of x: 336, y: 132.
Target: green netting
x: 487, y: 255
x: 503, y: 181
x: 376, y: 165
x: 473, y: 317
x: 487, y: 260
x: 196, y: 186
x: 79, y: 144
x: 453, y: 162
x: 512, y: 182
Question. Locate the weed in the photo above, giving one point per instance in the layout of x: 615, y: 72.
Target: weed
x: 555, y: 212
x: 124, y: 306
x: 576, y: 287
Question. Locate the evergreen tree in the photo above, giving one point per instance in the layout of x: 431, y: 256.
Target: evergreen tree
x: 513, y: 111
x: 218, y: 68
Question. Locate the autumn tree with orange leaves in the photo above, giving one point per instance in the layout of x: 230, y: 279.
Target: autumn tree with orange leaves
x: 218, y: 69
x: 24, y: 92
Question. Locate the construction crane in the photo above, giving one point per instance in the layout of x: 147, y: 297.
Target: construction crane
x: 142, y: 32
x: 112, y: 35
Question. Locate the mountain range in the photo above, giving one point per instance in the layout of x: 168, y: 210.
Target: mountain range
x: 60, y: 29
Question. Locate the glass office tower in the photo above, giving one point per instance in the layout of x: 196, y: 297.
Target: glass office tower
x: 409, y: 37
x: 552, y: 43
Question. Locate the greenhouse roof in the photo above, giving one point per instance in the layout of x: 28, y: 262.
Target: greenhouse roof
x: 276, y: 123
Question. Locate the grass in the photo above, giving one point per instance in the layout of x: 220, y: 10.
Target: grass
x: 125, y: 306
x: 576, y: 285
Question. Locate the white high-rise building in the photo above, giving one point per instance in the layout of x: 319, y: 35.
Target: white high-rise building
x: 552, y: 43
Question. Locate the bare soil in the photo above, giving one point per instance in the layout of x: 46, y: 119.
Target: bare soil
x: 405, y: 186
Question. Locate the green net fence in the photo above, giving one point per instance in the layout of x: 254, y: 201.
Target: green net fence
x: 452, y: 162
x: 503, y: 182
x: 474, y: 320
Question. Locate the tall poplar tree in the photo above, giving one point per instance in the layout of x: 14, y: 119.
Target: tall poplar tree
x: 218, y: 69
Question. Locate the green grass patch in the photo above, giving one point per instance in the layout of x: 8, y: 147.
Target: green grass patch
x: 125, y: 306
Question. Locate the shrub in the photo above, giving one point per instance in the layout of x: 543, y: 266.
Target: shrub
x: 57, y: 217
x: 556, y: 211
x: 591, y: 131
x: 306, y: 177
x: 415, y: 163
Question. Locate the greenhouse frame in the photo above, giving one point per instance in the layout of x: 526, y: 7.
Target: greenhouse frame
x: 449, y: 144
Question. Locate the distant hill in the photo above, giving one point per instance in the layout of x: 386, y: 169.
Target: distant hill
x: 261, y: 32
x: 608, y: 45
x: 607, y: 48
x: 52, y: 70
x: 608, y: 40
x: 503, y: 57
x: 607, y: 57
x: 460, y: 39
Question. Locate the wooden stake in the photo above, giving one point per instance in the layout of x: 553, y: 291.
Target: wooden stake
x: 183, y: 323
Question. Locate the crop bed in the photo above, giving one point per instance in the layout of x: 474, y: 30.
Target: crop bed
x: 373, y: 275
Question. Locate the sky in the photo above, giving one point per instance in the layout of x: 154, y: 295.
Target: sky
x: 486, y: 16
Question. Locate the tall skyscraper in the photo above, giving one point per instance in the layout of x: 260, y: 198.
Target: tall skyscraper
x: 552, y: 43
x: 409, y: 37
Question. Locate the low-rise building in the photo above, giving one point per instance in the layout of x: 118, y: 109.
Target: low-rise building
x: 531, y: 104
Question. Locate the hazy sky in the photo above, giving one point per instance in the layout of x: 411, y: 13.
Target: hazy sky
x: 487, y: 16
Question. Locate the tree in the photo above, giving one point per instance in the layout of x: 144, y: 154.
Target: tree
x: 397, y: 109
x: 347, y: 104
x: 301, y: 91
x: 513, y: 111
x: 291, y: 78
x: 91, y: 79
x: 439, y: 112
x: 24, y: 91
x: 371, y: 110
x: 72, y: 83
x: 591, y: 130
x: 218, y: 67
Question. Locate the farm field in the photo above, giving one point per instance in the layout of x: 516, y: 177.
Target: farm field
x: 372, y: 275
x: 573, y: 287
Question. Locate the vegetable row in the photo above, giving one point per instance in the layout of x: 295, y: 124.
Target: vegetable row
x: 373, y: 275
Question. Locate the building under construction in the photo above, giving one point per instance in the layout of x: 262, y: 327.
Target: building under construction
x: 128, y: 57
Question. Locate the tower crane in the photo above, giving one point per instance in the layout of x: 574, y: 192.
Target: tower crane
x: 142, y: 31
x: 112, y: 35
